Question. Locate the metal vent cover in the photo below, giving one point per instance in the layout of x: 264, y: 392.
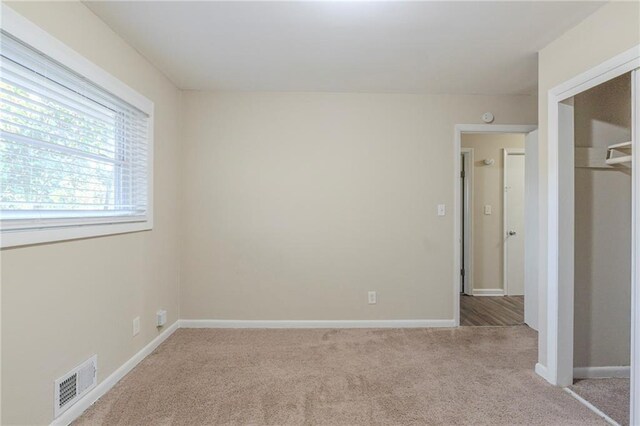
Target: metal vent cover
x: 67, y: 390
x: 75, y: 384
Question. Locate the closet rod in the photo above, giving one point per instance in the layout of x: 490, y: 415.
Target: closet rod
x: 624, y: 147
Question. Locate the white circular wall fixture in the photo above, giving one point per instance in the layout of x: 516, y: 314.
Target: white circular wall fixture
x: 487, y: 117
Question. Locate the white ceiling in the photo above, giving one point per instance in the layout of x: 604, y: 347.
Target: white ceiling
x: 422, y: 47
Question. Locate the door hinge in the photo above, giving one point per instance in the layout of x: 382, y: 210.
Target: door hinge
x: 462, y: 174
x: 462, y: 272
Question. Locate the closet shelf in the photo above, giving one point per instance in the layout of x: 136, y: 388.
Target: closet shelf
x: 619, y: 160
x: 591, y: 158
x: 603, y: 158
x: 624, y: 147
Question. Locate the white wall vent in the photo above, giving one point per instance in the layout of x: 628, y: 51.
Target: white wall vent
x: 75, y: 384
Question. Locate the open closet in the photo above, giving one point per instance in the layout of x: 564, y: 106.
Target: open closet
x: 602, y: 249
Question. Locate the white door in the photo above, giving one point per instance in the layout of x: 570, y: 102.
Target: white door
x: 531, y: 219
x: 514, y: 222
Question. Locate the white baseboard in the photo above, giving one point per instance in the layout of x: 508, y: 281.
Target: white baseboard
x: 541, y: 371
x: 316, y: 323
x: 488, y: 292
x: 103, y: 387
x: 622, y: 372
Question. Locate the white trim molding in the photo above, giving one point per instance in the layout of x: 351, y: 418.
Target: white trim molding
x: 619, y: 372
x: 488, y: 292
x: 104, y: 386
x: 541, y: 371
x: 635, y: 251
x: 469, y: 161
x: 217, y: 323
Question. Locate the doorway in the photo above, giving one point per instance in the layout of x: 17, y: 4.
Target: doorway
x: 492, y: 277
x: 591, y: 337
x: 482, y: 210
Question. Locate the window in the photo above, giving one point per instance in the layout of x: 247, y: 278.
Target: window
x: 74, y: 157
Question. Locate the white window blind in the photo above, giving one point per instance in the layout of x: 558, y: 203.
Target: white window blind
x: 71, y: 153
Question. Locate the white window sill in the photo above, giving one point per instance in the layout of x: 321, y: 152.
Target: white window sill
x: 48, y: 235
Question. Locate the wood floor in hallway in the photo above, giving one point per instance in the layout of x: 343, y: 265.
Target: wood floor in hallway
x: 491, y: 311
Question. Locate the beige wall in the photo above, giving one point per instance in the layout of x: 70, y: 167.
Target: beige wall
x: 64, y: 302
x: 488, y: 189
x: 301, y: 203
x: 611, y: 30
x: 603, y: 230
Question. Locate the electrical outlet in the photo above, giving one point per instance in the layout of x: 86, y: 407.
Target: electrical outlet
x: 136, y: 326
x: 373, y: 298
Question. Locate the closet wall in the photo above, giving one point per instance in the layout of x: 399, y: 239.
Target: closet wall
x: 602, y: 229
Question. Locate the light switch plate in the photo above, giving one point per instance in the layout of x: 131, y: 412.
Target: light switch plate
x: 136, y: 326
x: 161, y: 318
x: 487, y: 209
x: 441, y: 210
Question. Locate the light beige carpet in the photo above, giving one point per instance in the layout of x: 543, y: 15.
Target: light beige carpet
x: 470, y: 375
x: 611, y: 396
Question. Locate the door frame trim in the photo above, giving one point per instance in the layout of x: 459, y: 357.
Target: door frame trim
x: 459, y: 129
x: 469, y: 209
x: 505, y: 241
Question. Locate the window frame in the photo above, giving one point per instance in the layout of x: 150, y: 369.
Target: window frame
x: 83, y: 227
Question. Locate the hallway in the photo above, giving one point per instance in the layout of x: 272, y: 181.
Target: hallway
x: 491, y: 311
